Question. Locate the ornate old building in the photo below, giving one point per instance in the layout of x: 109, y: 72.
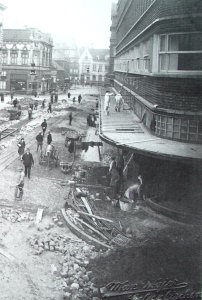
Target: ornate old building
x: 26, y: 60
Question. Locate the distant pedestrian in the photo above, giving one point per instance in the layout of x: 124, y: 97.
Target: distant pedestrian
x: 51, y: 98
x: 2, y: 97
x: 74, y: 99
x: 56, y: 97
x: 39, y: 139
x: 31, y: 105
x: 119, y: 102
x: 49, y: 138
x: 12, y: 95
x: 35, y: 94
x: 43, y: 103
x: 44, y: 126
x: 49, y: 108
x: 28, y: 161
x: 29, y: 113
x: 21, y: 147
x: 15, y: 102
x: 97, y: 104
x: 70, y: 118
x: 69, y: 95
x: 79, y: 99
x: 35, y: 105
x: 107, y: 102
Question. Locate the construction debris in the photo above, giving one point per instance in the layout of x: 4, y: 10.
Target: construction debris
x: 71, y: 275
x: 15, y: 215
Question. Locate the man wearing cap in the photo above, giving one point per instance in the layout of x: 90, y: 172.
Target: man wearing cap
x: 20, y: 182
x: 28, y: 161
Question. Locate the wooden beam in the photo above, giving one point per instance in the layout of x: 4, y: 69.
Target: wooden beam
x: 94, y: 216
x: 91, y: 227
x: 85, y: 235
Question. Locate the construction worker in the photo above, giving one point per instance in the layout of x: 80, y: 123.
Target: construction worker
x: 39, y: 139
x: 44, y: 126
x: 29, y: 113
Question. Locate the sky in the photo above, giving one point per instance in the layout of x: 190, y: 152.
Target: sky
x: 86, y: 21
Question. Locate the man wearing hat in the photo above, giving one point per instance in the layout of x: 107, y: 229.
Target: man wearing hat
x: 28, y: 161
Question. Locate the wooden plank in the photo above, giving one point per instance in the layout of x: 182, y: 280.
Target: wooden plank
x: 94, y: 216
x: 39, y: 215
x: 91, y: 227
x: 85, y: 202
x: 88, y: 237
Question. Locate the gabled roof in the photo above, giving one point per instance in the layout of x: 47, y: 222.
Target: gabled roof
x: 99, y: 54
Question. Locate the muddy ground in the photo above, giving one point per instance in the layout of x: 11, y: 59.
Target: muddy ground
x: 160, y: 247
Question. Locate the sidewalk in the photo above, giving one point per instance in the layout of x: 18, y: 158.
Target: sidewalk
x: 92, y: 155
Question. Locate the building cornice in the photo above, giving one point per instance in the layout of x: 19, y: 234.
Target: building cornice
x: 123, y: 14
x: 135, y: 23
x: 152, y: 24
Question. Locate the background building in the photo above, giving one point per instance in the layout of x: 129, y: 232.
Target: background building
x: 112, y: 41
x: 66, y: 55
x: 158, y: 64
x: 27, y: 60
x: 2, y: 78
x: 93, y: 66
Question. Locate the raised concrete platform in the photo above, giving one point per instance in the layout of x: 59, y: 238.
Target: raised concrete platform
x: 124, y: 129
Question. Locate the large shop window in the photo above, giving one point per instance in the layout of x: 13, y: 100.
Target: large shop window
x: 179, y: 128
x: 180, y: 52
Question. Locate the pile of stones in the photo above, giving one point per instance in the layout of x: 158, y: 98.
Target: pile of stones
x: 15, y: 216
x: 71, y: 274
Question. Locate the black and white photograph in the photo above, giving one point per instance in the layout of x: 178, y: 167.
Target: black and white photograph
x: 100, y: 150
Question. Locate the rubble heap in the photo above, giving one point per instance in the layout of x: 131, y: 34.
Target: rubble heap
x: 72, y: 275
x: 14, y: 216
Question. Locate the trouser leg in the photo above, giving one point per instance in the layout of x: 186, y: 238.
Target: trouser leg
x: 26, y: 171
x: 29, y: 171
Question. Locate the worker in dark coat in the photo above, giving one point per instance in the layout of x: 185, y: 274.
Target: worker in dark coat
x: 49, y: 108
x: 49, y: 138
x: 39, y: 139
x: 114, y: 183
x: 28, y: 161
x: 79, y: 98
x: 15, y: 102
x: 70, y: 118
x: 44, y: 126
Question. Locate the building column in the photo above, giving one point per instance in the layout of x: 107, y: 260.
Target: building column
x: 9, y: 57
x: 19, y: 57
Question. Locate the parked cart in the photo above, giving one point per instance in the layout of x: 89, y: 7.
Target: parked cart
x: 50, y: 158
